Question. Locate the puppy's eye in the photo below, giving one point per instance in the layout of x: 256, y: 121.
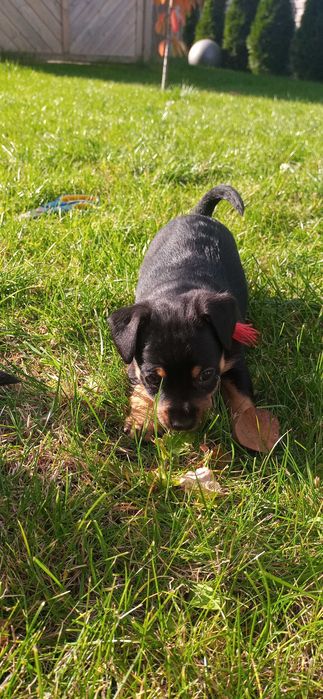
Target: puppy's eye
x: 206, y: 375
x: 152, y: 379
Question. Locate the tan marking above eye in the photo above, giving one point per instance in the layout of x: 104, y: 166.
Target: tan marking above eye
x: 225, y: 364
x: 161, y: 372
x: 196, y: 371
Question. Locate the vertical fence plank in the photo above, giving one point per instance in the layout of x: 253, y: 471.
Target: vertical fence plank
x: 65, y: 27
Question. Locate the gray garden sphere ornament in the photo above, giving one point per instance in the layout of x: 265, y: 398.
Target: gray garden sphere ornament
x: 205, y: 52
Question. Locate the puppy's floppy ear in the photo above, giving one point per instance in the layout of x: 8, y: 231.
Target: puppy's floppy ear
x: 124, y: 324
x: 219, y: 309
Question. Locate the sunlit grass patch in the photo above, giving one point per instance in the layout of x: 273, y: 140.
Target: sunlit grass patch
x: 114, y: 581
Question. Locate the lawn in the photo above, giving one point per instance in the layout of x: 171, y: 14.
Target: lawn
x: 114, y: 582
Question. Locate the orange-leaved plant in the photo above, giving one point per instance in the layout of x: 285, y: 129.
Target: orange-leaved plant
x: 170, y: 21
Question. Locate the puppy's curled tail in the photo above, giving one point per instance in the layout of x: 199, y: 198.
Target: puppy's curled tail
x: 208, y: 203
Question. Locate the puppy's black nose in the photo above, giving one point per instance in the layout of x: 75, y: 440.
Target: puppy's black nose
x: 180, y: 420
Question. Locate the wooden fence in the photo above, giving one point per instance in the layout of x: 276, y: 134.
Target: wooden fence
x: 77, y: 29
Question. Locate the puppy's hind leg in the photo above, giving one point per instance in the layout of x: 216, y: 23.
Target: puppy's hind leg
x: 255, y: 428
x: 236, y: 387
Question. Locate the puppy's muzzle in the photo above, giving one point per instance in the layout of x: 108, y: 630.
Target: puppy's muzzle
x: 180, y: 419
x: 183, y: 416
x: 177, y: 417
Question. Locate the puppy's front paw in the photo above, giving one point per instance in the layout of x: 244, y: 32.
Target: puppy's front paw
x: 141, y: 421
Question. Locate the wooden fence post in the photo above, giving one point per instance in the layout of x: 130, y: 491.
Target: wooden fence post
x: 65, y: 27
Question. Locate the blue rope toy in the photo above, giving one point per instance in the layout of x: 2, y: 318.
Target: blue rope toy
x: 64, y: 203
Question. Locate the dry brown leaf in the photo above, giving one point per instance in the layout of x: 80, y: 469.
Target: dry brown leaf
x: 256, y: 429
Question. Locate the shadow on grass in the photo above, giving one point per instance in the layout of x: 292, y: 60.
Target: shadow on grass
x: 203, y: 78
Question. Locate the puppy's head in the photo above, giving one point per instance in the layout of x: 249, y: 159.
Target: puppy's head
x: 178, y: 351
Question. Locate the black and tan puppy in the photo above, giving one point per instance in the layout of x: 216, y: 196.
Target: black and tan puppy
x: 177, y: 338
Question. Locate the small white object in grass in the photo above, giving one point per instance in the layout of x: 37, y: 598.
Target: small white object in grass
x: 284, y: 167
x: 202, y: 478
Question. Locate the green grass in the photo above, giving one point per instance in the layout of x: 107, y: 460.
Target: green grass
x: 113, y: 582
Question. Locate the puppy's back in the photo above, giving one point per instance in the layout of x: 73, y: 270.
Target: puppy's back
x: 192, y: 252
